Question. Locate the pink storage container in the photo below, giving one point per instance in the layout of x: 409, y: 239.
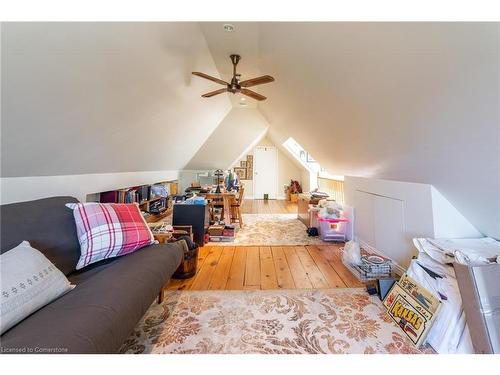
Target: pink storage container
x: 333, y: 229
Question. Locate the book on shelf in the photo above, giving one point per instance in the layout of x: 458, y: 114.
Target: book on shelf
x: 153, y: 198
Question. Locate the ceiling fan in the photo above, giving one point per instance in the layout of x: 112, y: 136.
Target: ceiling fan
x: 237, y: 86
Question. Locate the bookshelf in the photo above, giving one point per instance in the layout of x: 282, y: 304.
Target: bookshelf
x: 155, y: 200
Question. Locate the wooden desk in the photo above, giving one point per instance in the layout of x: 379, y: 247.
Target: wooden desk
x: 228, y: 198
x: 304, y: 200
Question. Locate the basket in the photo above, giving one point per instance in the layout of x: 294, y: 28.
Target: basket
x: 369, y: 271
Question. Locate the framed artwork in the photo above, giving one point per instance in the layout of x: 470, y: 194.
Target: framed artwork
x: 249, y: 161
x: 243, y: 164
x: 249, y: 173
x: 241, y: 173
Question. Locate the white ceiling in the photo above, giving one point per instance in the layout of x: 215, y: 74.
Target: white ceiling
x: 406, y: 101
x: 104, y: 97
x: 243, y: 41
x: 240, y: 129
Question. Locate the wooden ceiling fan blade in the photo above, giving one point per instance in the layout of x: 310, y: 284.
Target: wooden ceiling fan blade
x: 253, y: 94
x: 206, y: 76
x: 213, y: 93
x: 256, y: 81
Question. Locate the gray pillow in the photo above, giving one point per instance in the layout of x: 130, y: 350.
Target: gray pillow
x: 29, y: 281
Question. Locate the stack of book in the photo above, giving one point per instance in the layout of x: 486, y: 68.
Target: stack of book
x: 221, y: 233
x: 137, y: 194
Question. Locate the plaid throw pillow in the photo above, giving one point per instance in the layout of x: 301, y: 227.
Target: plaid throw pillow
x: 107, y: 230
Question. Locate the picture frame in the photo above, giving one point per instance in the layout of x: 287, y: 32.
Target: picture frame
x: 243, y: 164
x: 249, y: 161
x: 241, y: 173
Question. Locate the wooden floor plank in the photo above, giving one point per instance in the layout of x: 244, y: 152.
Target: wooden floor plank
x: 252, y: 269
x: 333, y: 279
x: 273, y: 206
x: 283, y: 275
x: 267, y: 271
x: 299, y: 274
x: 316, y: 277
x: 203, y: 278
x: 345, y: 274
x: 221, y: 273
x: 236, y: 278
x: 251, y: 287
x: 268, y: 267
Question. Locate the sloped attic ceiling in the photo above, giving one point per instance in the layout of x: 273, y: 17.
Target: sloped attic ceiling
x: 412, y: 102
x: 83, y: 98
x: 240, y: 129
x: 405, y: 101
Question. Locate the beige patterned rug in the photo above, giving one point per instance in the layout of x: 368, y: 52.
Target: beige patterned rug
x: 271, y: 230
x: 278, y: 321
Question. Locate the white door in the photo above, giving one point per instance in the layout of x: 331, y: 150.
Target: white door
x: 265, y: 172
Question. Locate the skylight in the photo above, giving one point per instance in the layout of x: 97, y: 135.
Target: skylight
x: 301, y: 155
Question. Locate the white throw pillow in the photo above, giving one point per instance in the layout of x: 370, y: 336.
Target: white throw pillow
x: 29, y: 281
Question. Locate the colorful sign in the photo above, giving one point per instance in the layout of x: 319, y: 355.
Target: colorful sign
x: 412, y: 308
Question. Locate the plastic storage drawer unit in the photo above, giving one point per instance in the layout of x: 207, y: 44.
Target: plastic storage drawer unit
x: 333, y: 229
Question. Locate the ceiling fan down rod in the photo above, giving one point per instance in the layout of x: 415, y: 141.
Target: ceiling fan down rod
x: 235, y: 60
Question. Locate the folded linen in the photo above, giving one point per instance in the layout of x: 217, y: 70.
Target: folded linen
x: 449, y: 333
x: 470, y: 251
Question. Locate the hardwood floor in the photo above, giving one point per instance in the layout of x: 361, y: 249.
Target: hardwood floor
x: 260, y: 206
x: 268, y: 267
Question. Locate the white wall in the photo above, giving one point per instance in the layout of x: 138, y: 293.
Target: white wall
x: 238, y: 131
x: 85, y: 98
x: 389, y: 214
x: 448, y: 222
x: 406, y: 101
x: 287, y: 170
x: 17, y: 189
x: 382, y: 207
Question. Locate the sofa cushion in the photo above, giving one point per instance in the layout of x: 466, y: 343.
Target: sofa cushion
x: 108, y: 230
x: 99, y: 314
x: 48, y: 226
x: 29, y: 281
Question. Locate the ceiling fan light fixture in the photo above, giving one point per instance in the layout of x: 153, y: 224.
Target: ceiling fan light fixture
x: 235, y: 86
x: 228, y: 27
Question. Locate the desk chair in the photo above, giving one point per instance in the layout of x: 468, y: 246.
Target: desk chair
x: 236, y: 207
x: 216, y: 203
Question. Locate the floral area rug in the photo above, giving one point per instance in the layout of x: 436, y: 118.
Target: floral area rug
x: 278, y: 322
x: 271, y: 230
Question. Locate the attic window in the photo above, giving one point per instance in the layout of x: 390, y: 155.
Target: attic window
x: 301, y: 155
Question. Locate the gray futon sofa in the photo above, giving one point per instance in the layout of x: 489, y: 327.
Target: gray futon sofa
x: 110, y: 296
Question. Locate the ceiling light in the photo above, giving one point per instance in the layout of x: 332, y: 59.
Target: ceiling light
x: 243, y: 99
x: 243, y: 104
x: 228, y: 27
